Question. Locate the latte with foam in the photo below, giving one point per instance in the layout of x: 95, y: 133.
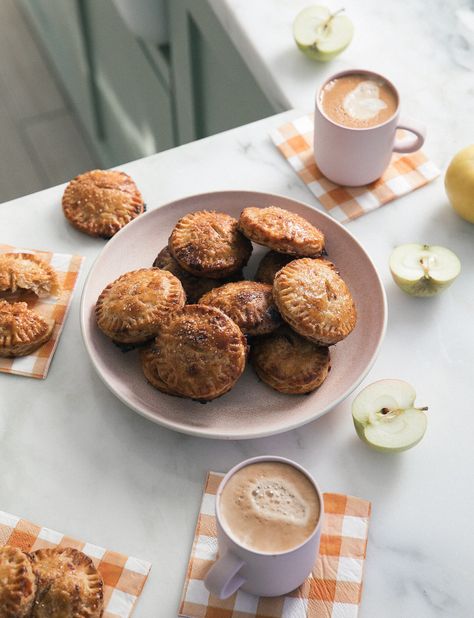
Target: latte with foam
x: 358, y: 100
x: 269, y: 507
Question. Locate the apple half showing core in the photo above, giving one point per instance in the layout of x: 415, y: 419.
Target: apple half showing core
x: 385, y: 416
x: 423, y: 270
x: 320, y: 34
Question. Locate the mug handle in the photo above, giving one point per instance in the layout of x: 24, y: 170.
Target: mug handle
x: 410, y: 143
x: 223, y: 578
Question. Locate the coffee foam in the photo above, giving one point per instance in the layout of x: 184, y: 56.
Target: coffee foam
x: 279, y: 500
x: 364, y: 102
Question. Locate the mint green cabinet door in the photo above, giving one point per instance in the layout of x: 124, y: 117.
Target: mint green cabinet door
x: 59, y: 25
x: 135, y: 103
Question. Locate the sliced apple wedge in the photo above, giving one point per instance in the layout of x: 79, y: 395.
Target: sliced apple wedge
x: 423, y: 270
x: 386, y: 418
x: 320, y: 34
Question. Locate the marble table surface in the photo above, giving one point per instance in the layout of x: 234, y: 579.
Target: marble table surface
x: 75, y: 459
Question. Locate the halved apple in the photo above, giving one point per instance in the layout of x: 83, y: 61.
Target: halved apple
x: 320, y: 34
x: 386, y: 418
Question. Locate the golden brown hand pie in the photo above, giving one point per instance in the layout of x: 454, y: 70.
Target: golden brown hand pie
x: 17, y: 583
x: 148, y: 357
x: 132, y: 308
x: 26, y: 272
x: 101, y: 202
x: 201, y: 352
x: 290, y: 363
x: 314, y: 300
x: 248, y: 303
x: 270, y: 264
x: 209, y: 244
x: 22, y: 330
x: 69, y: 585
x: 194, y: 286
x: 282, y: 231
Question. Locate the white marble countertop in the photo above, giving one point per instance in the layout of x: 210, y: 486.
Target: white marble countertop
x: 75, y: 459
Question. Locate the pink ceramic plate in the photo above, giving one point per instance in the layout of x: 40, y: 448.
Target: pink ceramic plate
x: 251, y: 409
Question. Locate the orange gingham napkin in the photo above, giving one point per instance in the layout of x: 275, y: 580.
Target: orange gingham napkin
x: 124, y: 576
x: 405, y: 173
x: 333, y: 589
x: 36, y: 365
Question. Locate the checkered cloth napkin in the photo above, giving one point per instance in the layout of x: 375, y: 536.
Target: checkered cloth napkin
x: 36, y: 365
x: 405, y: 173
x: 332, y: 590
x: 124, y: 576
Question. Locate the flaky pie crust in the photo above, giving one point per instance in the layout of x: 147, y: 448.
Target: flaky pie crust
x: 248, y: 303
x: 26, y: 272
x: 102, y: 202
x: 209, y: 244
x: 289, y: 363
x: 315, y: 301
x: 17, y: 583
x: 69, y: 585
x: 270, y: 264
x: 22, y: 330
x: 282, y: 231
x: 201, y: 352
x: 132, y: 308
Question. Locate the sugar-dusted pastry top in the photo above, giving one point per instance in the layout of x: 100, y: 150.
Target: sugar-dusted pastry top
x: 132, y: 308
x: 22, y: 330
x: 289, y: 363
x: 69, y: 585
x: 201, y: 352
x: 282, y: 231
x: 26, y: 272
x: 315, y: 301
x: 209, y: 244
x: 248, y: 303
x: 102, y: 202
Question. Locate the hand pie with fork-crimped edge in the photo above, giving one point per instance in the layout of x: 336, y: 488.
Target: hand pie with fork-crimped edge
x: 25, y: 272
x: 22, y: 330
x: 289, y: 363
x: 17, y: 583
x: 248, y: 303
x: 270, y: 264
x: 315, y: 301
x: 209, y: 244
x: 282, y: 231
x: 200, y: 352
x: 148, y: 358
x: 69, y: 585
x: 102, y: 202
x: 194, y: 286
x: 132, y: 308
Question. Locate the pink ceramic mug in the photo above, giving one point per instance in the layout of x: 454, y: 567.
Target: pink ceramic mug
x: 260, y: 573
x: 357, y: 156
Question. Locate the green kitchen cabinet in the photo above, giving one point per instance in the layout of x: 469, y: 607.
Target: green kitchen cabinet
x: 135, y: 98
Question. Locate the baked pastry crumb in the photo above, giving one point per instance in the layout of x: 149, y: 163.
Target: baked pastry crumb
x: 22, y: 330
x: 101, y: 202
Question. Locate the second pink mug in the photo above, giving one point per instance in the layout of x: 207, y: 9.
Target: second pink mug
x: 358, y: 156
x: 260, y: 573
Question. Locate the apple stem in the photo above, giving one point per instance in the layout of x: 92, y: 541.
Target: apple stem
x: 331, y: 17
x: 425, y: 265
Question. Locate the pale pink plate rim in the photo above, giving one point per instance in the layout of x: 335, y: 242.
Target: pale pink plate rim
x: 197, y: 431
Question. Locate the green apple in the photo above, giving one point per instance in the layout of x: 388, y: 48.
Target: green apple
x: 459, y: 183
x: 320, y: 34
x: 385, y: 417
x: 423, y: 270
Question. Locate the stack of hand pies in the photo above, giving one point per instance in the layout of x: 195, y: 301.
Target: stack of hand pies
x: 298, y: 306
x: 49, y: 583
